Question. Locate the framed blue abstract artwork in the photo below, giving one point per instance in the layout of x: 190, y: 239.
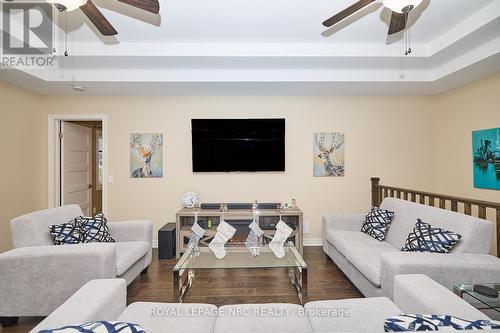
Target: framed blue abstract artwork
x: 486, y: 157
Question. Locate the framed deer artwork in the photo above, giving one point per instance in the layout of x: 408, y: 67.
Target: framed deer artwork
x: 146, y: 155
x: 328, y: 155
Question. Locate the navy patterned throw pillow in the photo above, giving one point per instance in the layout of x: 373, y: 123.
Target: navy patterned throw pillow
x: 66, y: 233
x: 377, y: 223
x: 98, y: 327
x: 426, y: 238
x: 415, y: 322
x: 94, y: 229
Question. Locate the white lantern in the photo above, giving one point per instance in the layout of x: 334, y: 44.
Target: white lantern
x: 69, y: 5
x: 398, y: 5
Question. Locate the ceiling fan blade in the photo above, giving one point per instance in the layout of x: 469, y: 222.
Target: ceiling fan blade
x: 347, y: 12
x: 98, y: 19
x: 152, y: 6
x: 398, y: 22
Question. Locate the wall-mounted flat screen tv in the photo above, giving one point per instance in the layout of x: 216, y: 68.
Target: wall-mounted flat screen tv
x: 225, y: 145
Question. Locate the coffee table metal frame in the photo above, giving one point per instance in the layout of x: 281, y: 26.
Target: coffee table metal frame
x: 483, y: 302
x: 238, y: 257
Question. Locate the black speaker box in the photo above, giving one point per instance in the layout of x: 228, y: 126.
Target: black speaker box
x: 166, y: 241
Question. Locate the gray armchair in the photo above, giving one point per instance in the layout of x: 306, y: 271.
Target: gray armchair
x: 38, y: 276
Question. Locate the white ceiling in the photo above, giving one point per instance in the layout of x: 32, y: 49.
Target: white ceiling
x: 265, y: 21
x: 199, y: 47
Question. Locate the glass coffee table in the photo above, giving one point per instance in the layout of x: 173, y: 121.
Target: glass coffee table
x: 466, y: 291
x: 239, y: 257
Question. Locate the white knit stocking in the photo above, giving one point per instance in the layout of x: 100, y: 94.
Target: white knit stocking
x: 283, y: 231
x: 224, y: 233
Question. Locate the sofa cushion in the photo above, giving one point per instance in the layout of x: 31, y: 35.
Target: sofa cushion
x: 31, y: 229
x: 170, y: 317
x: 426, y: 238
x: 98, y: 327
x: 66, y: 233
x: 350, y: 315
x: 128, y: 253
x: 262, y: 318
x: 377, y: 223
x: 345, y: 241
x: 416, y: 322
x: 476, y: 233
x: 94, y: 229
x: 367, y: 261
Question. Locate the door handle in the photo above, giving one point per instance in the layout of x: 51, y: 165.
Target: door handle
x: 90, y: 186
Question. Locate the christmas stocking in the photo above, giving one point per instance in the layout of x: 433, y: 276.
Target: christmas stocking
x: 224, y: 233
x: 196, y: 235
x: 283, y: 231
x: 253, y: 240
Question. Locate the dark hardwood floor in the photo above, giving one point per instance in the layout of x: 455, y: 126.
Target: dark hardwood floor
x: 236, y: 286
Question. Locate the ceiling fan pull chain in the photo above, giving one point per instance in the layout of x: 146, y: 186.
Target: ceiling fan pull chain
x: 409, y: 40
x: 406, y: 41
x: 65, y: 34
x: 407, y: 35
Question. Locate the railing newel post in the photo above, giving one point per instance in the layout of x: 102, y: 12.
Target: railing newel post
x: 375, y: 192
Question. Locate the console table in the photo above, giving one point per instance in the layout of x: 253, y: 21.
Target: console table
x: 240, y: 219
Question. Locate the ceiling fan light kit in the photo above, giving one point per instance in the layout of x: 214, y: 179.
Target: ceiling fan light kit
x: 67, y: 5
x: 399, y: 16
x: 95, y: 15
x: 401, y: 6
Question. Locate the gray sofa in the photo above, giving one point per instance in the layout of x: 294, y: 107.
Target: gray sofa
x: 37, y: 276
x: 372, y: 265
x: 106, y: 300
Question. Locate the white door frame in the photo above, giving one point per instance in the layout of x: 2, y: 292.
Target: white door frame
x: 54, y: 154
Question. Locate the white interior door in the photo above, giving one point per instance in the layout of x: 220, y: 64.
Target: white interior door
x: 76, y: 166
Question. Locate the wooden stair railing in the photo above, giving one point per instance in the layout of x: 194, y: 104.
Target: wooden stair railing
x: 379, y: 192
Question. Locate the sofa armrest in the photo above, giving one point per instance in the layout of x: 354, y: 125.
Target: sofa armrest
x: 133, y: 230
x: 447, y: 269
x: 419, y: 294
x: 103, y: 299
x: 36, y: 280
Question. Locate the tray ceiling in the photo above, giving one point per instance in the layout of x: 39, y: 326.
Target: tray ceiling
x: 196, y: 47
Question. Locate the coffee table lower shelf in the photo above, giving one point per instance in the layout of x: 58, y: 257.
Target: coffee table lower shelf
x: 183, y: 279
x: 184, y: 272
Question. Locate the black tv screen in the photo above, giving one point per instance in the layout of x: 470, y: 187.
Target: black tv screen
x: 224, y: 145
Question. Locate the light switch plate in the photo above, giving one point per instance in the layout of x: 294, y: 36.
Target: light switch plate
x: 111, y: 179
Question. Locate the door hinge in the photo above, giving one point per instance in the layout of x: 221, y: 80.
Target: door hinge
x: 61, y: 135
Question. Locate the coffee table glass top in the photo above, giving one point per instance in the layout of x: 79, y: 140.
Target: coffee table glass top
x: 238, y: 256
x: 490, y: 303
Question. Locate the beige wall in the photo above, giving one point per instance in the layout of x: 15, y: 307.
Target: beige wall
x: 415, y: 142
x: 461, y: 111
x: 383, y: 138
x: 21, y: 181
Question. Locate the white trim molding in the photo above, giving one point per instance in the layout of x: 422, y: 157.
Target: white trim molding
x: 313, y: 241
x: 53, y: 152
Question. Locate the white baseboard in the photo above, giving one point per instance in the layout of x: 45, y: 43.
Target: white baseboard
x: 313, y: 242
x: 307, y: 242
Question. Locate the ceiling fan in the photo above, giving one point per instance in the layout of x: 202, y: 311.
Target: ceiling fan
x: 399, y: 18
x: 95, y: 15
